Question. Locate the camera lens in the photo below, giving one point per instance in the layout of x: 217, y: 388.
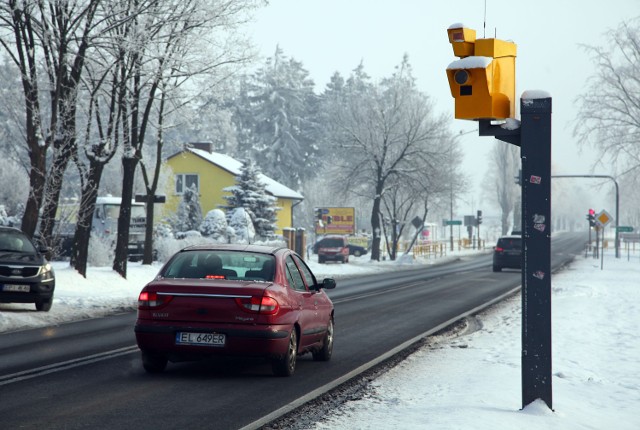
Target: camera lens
x: 461, y: 77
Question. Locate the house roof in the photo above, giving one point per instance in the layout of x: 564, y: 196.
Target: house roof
x: 233, y: 166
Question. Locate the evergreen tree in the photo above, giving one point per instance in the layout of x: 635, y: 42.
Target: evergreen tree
x: 189, y: 214
x: 240, y: 222
x: 215, y: 225
x: 275, y: 120
x: 249, y: 193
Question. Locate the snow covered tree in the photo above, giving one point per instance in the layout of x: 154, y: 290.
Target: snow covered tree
x: 609, y: 115
x: 215, y: 225
x: 189, y: 214
x: 249, y: 193
x: 384, y: 133
x: 275, y: 118
x: 502, y: 189
x: 240, y: 222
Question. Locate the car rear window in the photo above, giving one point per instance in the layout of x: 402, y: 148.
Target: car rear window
x: 216, y: 264
x: 510, y: 243
x: 332, y: 243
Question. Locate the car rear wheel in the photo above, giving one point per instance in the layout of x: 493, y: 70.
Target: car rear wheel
x: 321, y: 260
x: 497, y: 268
x: 324, y: 354
x: 357, y: 253
x: 153, y: 362
x: 44, y: 305
x: 286, y: 365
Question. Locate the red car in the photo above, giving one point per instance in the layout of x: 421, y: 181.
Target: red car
x: 235, y: 300
x: 334, y: 248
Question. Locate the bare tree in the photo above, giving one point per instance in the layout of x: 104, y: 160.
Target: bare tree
x: 49, y: 38
x: 387, y: 133
x: 99, y: 147
x: 609, y: 115
x: 165, y: 42
x: 504, y: 168
x: 20, y: 40
x: 409, y: 198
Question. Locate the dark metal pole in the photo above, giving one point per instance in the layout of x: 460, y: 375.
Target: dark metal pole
x: 535, y: 144
x: 534, y: 139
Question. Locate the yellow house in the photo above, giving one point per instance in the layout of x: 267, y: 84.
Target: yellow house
x: 212, y: 172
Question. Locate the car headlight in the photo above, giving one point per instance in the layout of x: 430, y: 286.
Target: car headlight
x: 46, y: 273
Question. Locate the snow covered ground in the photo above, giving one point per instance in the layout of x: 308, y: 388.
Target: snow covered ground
x: 471, y: 381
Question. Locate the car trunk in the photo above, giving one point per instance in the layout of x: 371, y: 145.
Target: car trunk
x: 210, y: 301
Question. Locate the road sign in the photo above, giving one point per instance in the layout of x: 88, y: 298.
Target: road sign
x: 453, y: 222
x: 624, y: 229
x: 603, y: 218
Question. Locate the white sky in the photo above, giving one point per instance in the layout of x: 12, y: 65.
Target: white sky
x: 333, y: 35
x: 468, y: 382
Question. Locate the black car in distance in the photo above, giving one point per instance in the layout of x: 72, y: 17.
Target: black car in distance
x: 508, y: 253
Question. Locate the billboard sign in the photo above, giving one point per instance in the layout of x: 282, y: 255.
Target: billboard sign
x: 336, y: 221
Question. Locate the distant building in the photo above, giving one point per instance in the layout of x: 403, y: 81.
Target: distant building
x: 212, y: 172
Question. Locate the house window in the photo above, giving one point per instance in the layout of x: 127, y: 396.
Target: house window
x: 184, y: 181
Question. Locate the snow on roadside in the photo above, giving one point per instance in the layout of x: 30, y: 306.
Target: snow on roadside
x: 473, y: 381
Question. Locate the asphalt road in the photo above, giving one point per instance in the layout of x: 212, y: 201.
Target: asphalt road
x: 88, y: 374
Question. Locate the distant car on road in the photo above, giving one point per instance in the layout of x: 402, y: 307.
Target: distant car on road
x: 357, y: 250
x: 508, y: 253
x: 333, y: 248
x: 235, y: 300
x: 25, y: 274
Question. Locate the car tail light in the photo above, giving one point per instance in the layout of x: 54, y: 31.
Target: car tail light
x: 498, y: 249
x: 264, y: 305
x: 148, y: 300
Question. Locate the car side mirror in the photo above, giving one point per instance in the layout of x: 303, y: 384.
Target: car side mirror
x: 328, y: 283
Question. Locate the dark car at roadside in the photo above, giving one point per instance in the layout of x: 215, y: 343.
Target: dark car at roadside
x: 235, y: 300
x: 507, y: 254
x: 25, y: 274
x: 357, y: 250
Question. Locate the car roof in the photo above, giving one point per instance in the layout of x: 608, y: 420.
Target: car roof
x: 263, y: 249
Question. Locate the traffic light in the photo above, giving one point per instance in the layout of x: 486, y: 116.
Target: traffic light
x: 591, y: 217
x: 483, y: 81
x: 329, y: 219
x: 479, y: 217
x: 318, y: 213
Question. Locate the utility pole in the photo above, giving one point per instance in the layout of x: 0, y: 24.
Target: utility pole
x: 483, y: 85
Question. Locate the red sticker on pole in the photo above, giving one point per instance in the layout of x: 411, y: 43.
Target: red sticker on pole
x: 535, y: 179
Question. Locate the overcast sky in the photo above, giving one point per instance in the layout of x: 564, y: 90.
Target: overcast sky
x: 336, y: 35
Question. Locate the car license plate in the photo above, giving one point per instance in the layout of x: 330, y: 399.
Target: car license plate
x: 204, y: 339
x: 16, y: 288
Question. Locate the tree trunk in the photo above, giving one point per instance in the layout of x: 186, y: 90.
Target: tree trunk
x: 36, y: 185
x: 375, y: 227
x: 82, y: 235
x: 63, y: 152
x: 129, y: 165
